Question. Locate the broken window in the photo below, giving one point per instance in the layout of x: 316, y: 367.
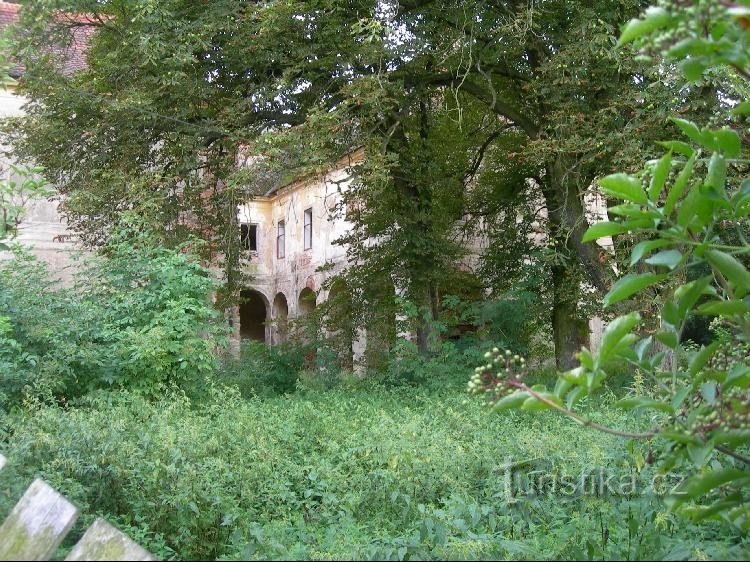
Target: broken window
x: 249, y: 237
x: 308, y: 229
x: 281, y: 240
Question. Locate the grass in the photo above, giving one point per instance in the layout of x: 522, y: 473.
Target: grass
x: 368, y: 471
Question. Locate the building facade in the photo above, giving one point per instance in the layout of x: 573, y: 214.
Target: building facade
x: 289, y: 251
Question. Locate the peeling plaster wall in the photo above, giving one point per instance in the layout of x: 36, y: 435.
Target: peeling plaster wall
x: 43, y: 231
x: 296, y: 271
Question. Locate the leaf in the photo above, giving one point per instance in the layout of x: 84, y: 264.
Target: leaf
x: 602, y: 229
x: 709, y: 391
x: 738, y: 376
x: 654, y: 18
x: 686, y: 47
x: 742, y: 108
x: 724, y: 308
x: 692, y: 68
x: 659, y: 177
x: 574, y: 396
x: 728, y: 141
x: 629, y: 285
x: 585, y: 358
x: 678, y: 188
x: 680, y: 396
x: 688, y: 128
x: 642, y: 346
x: 511, y: 402
x: 625, y: 187
x: 695, y: 210
x: 639, y: 402
x: 679, y: 147
x: 700, y: 454
x: 666, y: 258
x: 562, y: 386
x: 732, y: 438
x: 632, y: 210
x: 717, y: 172
x: 689, y: 293
x: 732, y: 269
x: 670, y: 314
x: 697, y: 513
x: 533, y: 403
x: 642, y: 248
x: 699, y: 485
x: 614, y: 333
x: 668, y: 338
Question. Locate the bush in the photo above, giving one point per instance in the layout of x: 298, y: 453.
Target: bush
x: 445, y: 369
x: 137, y: 317
x: 370, y: 473
x: 262, y: 370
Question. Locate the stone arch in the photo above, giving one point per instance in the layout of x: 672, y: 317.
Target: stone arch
x: 308, y: 327
x: 306, y: 302
x: 280, y: 313
x: 253, y: 315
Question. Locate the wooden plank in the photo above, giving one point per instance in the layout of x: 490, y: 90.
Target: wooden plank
x: 103, y: 542
x: 37, y: 525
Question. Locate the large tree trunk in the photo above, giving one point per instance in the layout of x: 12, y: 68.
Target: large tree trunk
x: 427, y: 338
x: 563, y: 190
x: 570, y: 329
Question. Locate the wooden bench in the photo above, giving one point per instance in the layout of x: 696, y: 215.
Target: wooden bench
x: 42, y: 518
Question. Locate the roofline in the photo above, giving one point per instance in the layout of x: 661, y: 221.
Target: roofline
x: 349, y: 159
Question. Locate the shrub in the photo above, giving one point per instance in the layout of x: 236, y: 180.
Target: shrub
x: 137, y: 316
x: 690, y: 210
x: 262, y: 370
x: 374, y: 473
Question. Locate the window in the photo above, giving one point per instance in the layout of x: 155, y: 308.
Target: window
x: 308, y: 229
x: 281, y: 240
x: 249, y: 237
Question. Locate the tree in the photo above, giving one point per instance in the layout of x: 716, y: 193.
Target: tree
x: 689, y: 209
x: 439, y: 92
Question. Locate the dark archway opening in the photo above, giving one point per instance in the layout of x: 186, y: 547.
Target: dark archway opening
x: 253, y: 313
x: 306, y: 302
x: 280, y: 318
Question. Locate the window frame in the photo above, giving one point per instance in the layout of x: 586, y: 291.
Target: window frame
x: 307, y: 242
x: 281, y: 240
x: 250, y: 226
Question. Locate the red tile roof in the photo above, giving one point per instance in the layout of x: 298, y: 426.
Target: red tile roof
x: 73, y: 55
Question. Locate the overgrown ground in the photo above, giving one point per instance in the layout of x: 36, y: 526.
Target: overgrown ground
x: 360, y: 470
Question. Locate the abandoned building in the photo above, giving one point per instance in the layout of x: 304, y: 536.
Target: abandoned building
x: 287, y: 235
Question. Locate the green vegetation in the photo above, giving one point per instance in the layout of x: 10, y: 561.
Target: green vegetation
x: 137, y: 317
x: 693, y: 206
x: 120, y: 392
x: 359, y: 471
x: 257, y: 458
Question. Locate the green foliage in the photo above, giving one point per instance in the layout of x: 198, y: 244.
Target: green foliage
x: 138, y: 317
x: 22, y: 186
x: 458, y: 105
x: 682, y: 205
x: 262, y: 370
x: 367, y: 473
